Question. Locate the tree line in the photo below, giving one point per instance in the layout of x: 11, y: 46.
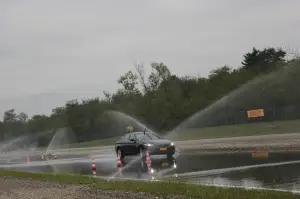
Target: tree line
x: 163, y: 100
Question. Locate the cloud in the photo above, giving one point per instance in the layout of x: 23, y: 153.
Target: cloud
x: 49, y: 45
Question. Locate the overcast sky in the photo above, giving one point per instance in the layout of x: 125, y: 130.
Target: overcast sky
x: 54, y: 50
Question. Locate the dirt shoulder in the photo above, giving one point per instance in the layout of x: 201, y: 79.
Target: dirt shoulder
x: 14, y: 188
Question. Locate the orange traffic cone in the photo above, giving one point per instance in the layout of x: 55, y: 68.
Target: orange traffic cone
x: 27, y: 159
x: 94, y: 168
x: 148, y: 162
x: 119, y: 165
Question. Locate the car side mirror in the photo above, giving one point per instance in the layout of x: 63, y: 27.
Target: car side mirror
x: 132, y: 140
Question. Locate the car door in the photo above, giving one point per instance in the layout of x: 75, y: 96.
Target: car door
x: 132, y: 144
x: 125, y: 146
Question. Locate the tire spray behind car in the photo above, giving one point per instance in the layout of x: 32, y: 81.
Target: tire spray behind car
x: 94, y: 168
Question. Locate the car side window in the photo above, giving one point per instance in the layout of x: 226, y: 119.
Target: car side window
x: 126, y: 137
x: 131, y: 136
x: 142, y: 137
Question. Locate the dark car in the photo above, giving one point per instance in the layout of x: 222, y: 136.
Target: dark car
x: 138, y: 143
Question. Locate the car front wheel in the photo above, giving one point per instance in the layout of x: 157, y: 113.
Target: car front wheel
x: 142, y: 153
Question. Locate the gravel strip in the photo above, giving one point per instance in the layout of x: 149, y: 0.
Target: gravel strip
x: 13, y: 188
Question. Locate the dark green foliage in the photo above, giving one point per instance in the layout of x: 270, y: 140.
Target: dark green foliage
x: 163, y: 100
x: 264, y: 61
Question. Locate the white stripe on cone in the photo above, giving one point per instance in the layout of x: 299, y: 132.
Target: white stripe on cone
x: 148, y: 162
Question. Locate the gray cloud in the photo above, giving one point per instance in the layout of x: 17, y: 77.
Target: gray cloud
x: 52, y: 45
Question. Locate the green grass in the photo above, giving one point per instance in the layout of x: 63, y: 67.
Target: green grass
x: 156, y: 188
x: 250, y: 129
x: 263, y: 128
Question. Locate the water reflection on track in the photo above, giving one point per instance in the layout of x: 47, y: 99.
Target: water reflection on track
x: 106, y: 166
x: 275, y: 170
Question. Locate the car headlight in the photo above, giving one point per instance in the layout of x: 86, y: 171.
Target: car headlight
x: 172, y: 143
x: 149, y: 145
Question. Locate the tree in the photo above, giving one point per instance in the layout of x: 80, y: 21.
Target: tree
x: 219, y: 73
x: 2, y: 131
x: 107, y: 96
x: 10, y: 116
x: 168, y: 103
x: 38, y: 124
x: 141, y: 77
x: 262, y: 61
x: 58, y: 118
x: 22, y: 117
x: 160, y: 73
x: 129, y: 81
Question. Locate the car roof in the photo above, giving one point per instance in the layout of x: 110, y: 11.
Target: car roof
x: 140, y: 132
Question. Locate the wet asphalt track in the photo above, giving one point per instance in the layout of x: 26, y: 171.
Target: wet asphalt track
x: 277, y: 170
x: 199, y: 161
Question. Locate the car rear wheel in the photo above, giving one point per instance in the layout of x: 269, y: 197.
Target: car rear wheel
x: 143, y: 166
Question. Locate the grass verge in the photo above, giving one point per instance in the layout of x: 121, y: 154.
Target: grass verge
x: 156, y: 188
x: 250, y: 129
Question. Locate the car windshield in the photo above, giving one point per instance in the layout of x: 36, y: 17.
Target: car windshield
x: 147, y: 136
x: 154, y: 136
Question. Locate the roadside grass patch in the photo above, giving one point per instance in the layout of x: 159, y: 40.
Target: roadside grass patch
x: 227, y: 131
x: 160, y: 188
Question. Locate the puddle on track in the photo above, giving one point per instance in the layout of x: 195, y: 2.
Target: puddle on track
x: 235, y: 169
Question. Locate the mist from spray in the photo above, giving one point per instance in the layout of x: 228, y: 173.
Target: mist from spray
x: 163, y: 172
x: 14, y: 144
x: 18, y: 149
x: 62, y: 138
x: 279, y: 82
x: 122, y: 120
x: 135, y: 160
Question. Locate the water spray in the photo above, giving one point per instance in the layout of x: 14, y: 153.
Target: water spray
x: 121, y: 168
